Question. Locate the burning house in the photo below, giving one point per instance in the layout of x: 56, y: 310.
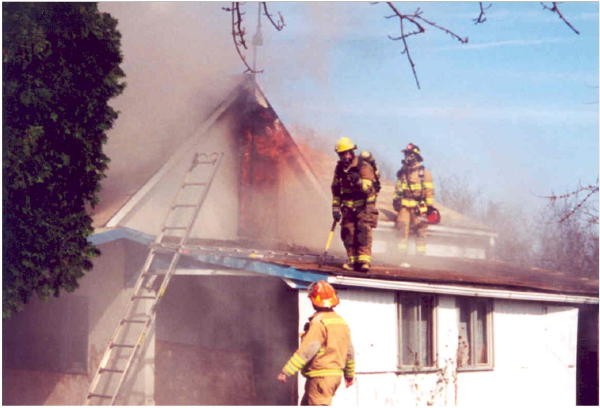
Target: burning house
x: 455, y: 327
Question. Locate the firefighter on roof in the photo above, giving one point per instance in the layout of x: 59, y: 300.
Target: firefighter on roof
x: 326, y: 353
x: 354, y: 189
x: 413, y: 199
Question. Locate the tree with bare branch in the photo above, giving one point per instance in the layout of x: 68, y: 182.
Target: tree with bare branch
x: 410, y: 24
x: 238, y: 30
x: 574, y: 204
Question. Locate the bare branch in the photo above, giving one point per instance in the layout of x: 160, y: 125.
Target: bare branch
x: 450, y: 33
x: 555, y: 9
x: 238, y: 33
x: 578, y: 206
x: 280, y: 23
x: 590, y: 189
x: 415, y: 20
x: 407, y: 52
x: 404, y: 35
x: 482, y: 18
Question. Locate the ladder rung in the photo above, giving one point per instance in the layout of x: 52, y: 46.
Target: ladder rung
x: 120, y: 345
x: 92, y: 395
x: 111, y: 370
x: 133, y: 321
x: 159, y: 245
x: 152, y: 274
x: 170, y: 240
x: 143, y: 297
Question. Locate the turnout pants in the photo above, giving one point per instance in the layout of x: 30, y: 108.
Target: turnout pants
x: 408, y: 222
x: 357, y: 234
x: 320, y: 390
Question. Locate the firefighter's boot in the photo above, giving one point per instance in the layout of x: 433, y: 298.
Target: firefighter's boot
x: 350, y: 264
x: 364, y: 267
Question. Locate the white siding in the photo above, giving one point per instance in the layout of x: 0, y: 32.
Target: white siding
x: 371, y: 316
x: 535, y: 352
x: 534, y: 349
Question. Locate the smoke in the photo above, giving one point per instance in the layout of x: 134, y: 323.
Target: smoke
x: 178, y: 64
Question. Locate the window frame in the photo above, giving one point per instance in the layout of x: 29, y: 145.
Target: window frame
x: 433, y: 304
x: 472, y: 304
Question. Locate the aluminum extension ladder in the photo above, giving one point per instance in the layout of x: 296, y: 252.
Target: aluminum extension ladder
x: 129, y: 336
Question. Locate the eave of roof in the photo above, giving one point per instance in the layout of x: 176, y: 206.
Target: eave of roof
x: 468, y: 278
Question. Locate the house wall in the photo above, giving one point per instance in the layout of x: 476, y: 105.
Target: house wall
x: 64, y: 381
x: 221, y: 340
x: 304, y: 213
x: 534, y: 347
x: 218, y: 218
x: 587, y: 355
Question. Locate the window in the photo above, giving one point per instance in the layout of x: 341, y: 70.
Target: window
x: 415, y: 337
x: 474, y: 333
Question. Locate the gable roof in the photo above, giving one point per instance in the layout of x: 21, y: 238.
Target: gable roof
x: 256, y: 190
x: 258, y: 131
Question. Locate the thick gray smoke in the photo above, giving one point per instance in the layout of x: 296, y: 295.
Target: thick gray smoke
x: 178, y: 65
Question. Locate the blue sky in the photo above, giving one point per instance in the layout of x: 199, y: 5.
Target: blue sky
x: 514, y: 111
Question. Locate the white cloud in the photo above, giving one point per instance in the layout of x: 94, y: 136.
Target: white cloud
x: 586, y: 115
x: 506, y: 43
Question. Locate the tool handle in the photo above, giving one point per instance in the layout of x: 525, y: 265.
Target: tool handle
x: 330, y: 237
x: 333, y: 225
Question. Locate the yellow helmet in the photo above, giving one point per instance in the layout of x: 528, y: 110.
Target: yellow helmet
x: 344, y: 144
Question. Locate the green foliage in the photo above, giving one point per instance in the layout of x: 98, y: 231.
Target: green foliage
x: 60, y: 68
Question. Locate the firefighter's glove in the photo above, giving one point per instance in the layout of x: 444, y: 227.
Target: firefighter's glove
x: 397, y: 203
x: 336, y: 213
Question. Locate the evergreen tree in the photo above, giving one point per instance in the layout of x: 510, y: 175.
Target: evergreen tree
x: 61, y: 65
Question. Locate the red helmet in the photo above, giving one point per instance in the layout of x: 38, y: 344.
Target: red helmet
x: 433, y: 215
x: 322, y: 294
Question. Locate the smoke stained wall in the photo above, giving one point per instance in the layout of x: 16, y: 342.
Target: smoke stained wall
x: 222, y: 341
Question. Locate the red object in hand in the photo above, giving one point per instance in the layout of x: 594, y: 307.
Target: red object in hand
x: 433, y: 215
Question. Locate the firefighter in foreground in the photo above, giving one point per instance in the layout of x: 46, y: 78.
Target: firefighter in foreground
x: 413, y: 200
x: 326, y: 353
x: 354, y: 188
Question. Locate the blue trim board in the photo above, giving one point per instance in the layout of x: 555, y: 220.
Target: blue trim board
x: 261, y: 267
x: 114, y: 234
x: 247, y: 264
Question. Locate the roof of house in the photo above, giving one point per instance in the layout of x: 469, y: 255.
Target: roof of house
x: 457, y: 276
x: 299, y: 265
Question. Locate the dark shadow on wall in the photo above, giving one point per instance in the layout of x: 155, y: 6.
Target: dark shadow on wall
x: 43, y: 346
x: 587, y: 356
x: 222, y: 340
